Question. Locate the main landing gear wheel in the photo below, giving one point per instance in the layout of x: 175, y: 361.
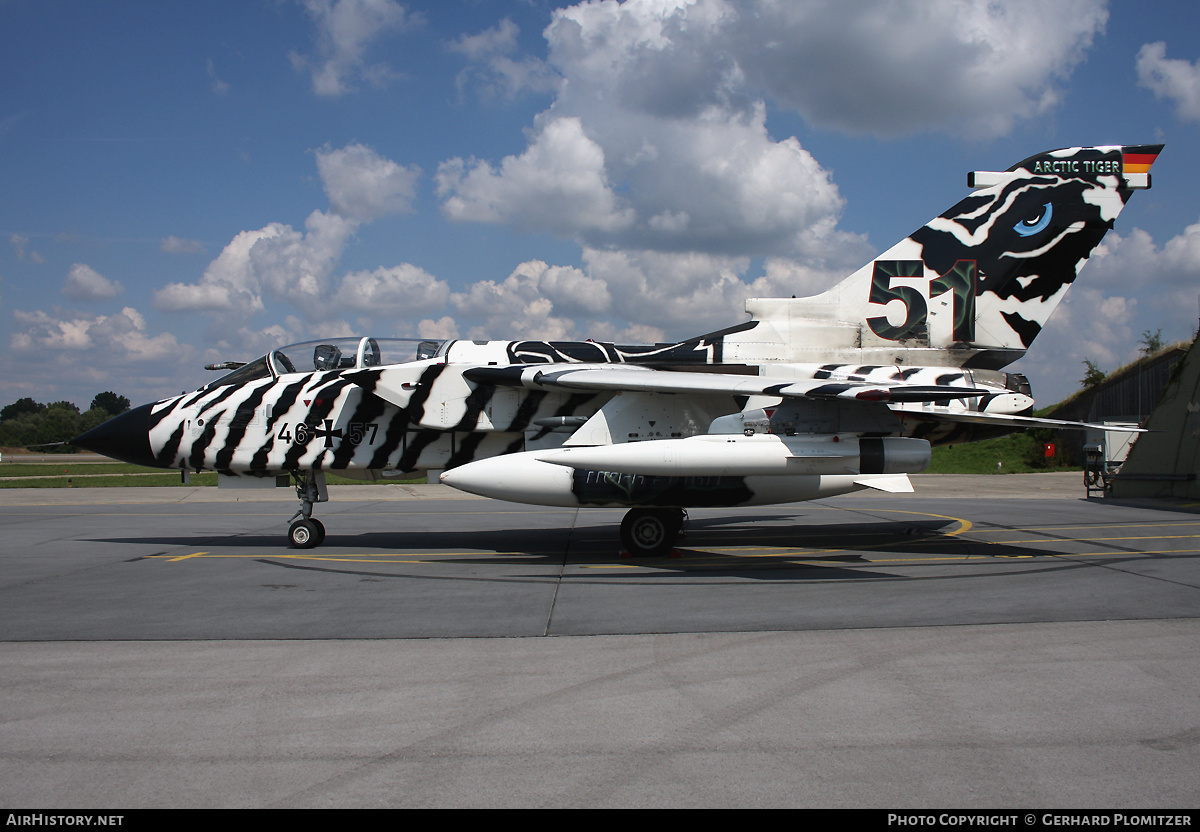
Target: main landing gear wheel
x: 306, y: 534
x: 651, y: 532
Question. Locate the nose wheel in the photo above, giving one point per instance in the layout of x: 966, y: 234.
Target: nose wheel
x: 306, y: 534
x: 651, y: 532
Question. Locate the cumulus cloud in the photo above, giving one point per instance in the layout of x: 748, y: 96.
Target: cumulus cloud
x: 21, y: 248
x: 297, y: 267
x: 85, y: 283
x: 1170, y: 78
x: 786, y: 278
x: 1131, y: 284
x: 558, y: 184
x: 346, y: 29
x: 683, y: 293
x: 244, y: 343
x: 1167, y: 277
x: 973, y: 67
x: 277, y: 260
x: 656, y: 156
x: 1101, y: 327
x: 493, y: 69
x: 725, y: 186
x: 78, y: 353
x: 569, y: 290
x: 363, y: 185
x: 1182, y: 254
x: 178, y: 245
x: 657, y: 138
x: 517, y: 307
x: 442, y: 329
x: 398, y: 290
x: 228, y: 284
x: 653, y: 142
x: 121, y: 337
x: 629, y: 296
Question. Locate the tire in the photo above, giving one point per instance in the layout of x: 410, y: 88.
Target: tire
x: 650, y: 532
x: 306, y: 534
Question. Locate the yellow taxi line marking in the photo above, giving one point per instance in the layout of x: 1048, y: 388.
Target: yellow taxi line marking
x: 1086, y: 539
x: 796, y: 559
x: 868, y: 562
x: 1048, y: 555
x: 346, y: 560
x: 964, y: 525
x: 746, y: 552
x: 185, y: 557
x: 1087, y: 526
x: 433, y: 557
x: 381, y: 554
x: 1037, y: 540
x: 861, y: 561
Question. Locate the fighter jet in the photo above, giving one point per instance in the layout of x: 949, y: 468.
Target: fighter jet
x: 811, y: 397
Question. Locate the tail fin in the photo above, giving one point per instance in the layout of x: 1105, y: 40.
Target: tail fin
x: 978, y: 283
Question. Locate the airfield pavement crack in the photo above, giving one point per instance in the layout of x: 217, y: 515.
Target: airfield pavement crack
x: 1116, y: 568
x: 562, y: 568
x: 1075, y: 559
x: 443, y: 742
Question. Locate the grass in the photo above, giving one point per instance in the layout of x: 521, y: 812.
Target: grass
x: 110, y: 481
x: 42, y: 469
x: 1016, y: 454
x: 64, y: 474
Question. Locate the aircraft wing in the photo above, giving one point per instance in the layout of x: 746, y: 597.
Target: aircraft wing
x: 1004, y: 420
x: 625, y: 379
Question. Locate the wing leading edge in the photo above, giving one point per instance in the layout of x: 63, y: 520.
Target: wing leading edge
x: 621, y: 379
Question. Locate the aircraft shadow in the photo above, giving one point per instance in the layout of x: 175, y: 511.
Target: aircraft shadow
x: 827, y: 551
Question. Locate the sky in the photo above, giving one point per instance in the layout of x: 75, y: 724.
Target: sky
x: 184, y: 183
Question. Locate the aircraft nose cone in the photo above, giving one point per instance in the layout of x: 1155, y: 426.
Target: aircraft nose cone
x: 125, y: 437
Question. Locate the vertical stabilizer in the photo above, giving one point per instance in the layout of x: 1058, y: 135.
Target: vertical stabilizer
x: 974, y: 286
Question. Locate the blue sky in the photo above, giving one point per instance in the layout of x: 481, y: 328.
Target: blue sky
x: 193, y: 182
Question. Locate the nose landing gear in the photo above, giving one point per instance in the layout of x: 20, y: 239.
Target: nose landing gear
x: 307, y: 532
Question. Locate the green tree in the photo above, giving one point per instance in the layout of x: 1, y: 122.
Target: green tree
x: 20, y: 430
x: 19, y: 407
x: 59, y: 423
x: 1094, y: 375
x: 110, y: 402
x: 93, y: 418
x: 1151, y: 341
x: 26, y: 423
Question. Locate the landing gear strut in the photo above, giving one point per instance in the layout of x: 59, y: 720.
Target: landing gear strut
x: 307, y: 532
x: 651, y: 532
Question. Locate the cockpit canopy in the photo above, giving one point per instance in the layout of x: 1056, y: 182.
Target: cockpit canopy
x: 329, y: 354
